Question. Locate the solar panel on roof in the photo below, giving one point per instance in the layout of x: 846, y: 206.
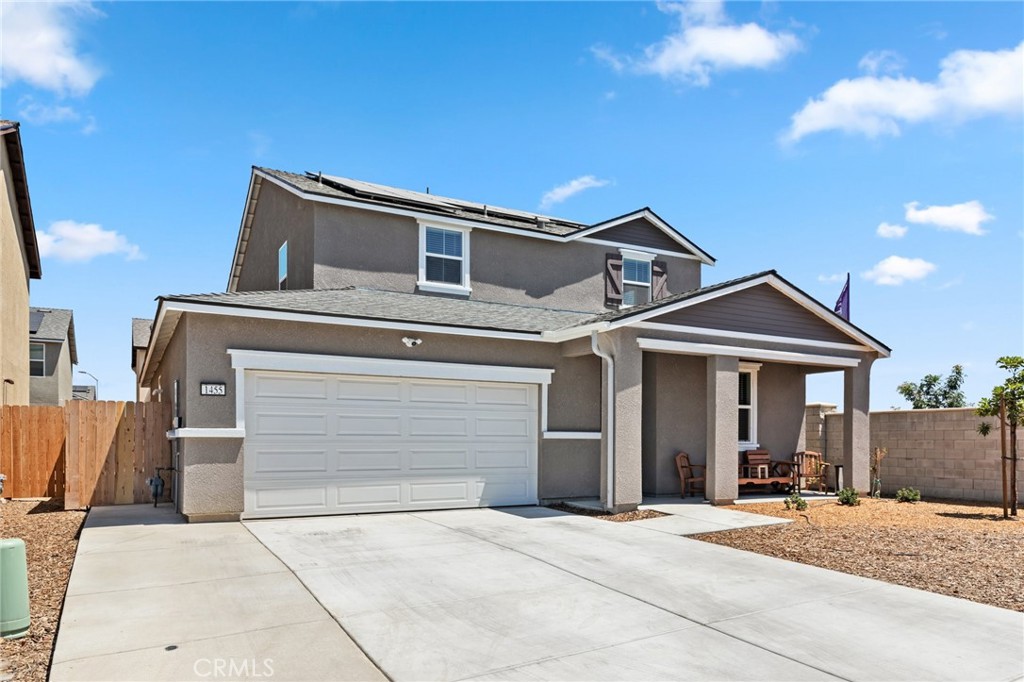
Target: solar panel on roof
x: 35, y: 318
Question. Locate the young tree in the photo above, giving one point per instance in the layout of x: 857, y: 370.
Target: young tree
x: 933, y: 392
x: 1006, y: 403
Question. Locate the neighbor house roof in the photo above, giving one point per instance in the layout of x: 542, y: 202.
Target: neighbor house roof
x: 10, y: 131
x: 54, y: 325
x: 83, y: 392
x: 360, y: 194
x: 141, y: 331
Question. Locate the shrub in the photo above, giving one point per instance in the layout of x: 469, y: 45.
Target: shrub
x: 849, y: 497
x: 794, y: 501
x: 908, y: 495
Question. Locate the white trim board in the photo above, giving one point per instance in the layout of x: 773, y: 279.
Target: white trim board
x: 206, y: 432
x: 416, y: 369
x: 746, y: 336
x: 687, y: 348
x: 571, y: 435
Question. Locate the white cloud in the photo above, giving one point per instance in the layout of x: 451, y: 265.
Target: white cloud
x: 829, y: 279
x: 38, y: 45
x: 970, y: 84
x: 890, y: 231
x: 571, y: 188
x: 704, y: 43
x: 42, y: 114
x: 71, y: 241
x: 896, y: 270
x: 966, y: 217
x: 882, y: 61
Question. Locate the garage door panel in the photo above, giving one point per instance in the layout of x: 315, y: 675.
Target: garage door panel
x: 368, y: 459
x: 504, y: 458
x: 366, y: 390
x: 444, y: 458
x: 294, y: 423
x: 290, y: 386
x: 439, y: 393
x: 503, y: 427
x: 448, y: 426
x: 507, y: 395
x: 387, y: 444
x: 287, y: 460
x: 369, y: 425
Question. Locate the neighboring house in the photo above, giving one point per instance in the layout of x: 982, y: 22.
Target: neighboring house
x: 141, y: 330
x: 19, y: 262
x: 52, y: 353
x: 83, y: 392
x: 379, y: 349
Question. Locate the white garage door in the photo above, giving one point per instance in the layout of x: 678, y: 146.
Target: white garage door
x: 335, y: 444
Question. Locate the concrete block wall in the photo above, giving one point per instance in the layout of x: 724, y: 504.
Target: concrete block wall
x: 939, y: 452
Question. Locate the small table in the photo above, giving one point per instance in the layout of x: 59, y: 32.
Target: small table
x: 754, y: 470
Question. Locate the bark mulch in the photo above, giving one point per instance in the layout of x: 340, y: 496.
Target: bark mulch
x: 51, y: 538
x: 961, y: 549
x: 637, y: 515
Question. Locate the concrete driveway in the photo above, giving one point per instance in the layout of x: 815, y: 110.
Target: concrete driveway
x: 534, y: 594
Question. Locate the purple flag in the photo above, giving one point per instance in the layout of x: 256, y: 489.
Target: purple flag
x: 843, y: 304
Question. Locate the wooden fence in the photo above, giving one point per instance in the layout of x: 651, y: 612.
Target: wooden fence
x: 88, y: 452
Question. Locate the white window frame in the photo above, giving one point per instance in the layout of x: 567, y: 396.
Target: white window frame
x: 442, y: 287
x: 629, y: 254
x: 33, y: 361
x: 282, y: 249
x: 750, y: 368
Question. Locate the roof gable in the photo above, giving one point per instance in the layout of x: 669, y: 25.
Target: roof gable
x: 10, y: 131
x: 761, y: 309
x: 644, y: 229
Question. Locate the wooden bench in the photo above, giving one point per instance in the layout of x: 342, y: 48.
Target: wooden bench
x: 759, y: 469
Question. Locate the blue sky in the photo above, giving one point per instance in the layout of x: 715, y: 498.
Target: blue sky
x: 794, y: 136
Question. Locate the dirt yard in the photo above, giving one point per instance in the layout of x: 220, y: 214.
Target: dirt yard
x: 625, y: 517
x: 51, y: 537
x: 964, y: 549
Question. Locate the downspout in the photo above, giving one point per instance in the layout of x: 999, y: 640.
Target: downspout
x: 609, y: 364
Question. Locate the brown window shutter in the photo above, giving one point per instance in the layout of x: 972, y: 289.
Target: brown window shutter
x: 612, y: 279
x: 659, y: 279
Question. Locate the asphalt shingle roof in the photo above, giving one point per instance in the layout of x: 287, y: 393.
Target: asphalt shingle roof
x: 141, y: 331
x: 54, y: 324
x: 400, y: 307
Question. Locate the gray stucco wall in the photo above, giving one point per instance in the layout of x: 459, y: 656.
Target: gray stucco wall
x: 55, y: 387
x: 361, y: 248
x: 279, y: 216
x: 675, y: 417
x: 213, y: 467
x: 781, y: 391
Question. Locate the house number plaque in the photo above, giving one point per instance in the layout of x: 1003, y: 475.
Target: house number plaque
x: 212, y: 389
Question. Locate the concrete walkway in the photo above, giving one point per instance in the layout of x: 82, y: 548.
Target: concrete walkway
x: 152, y: 598
x: 692, y: 516
x: 533, y: 594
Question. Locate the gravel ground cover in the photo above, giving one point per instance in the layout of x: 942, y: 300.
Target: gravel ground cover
x: 618, y: 518
x: 51, y: 538
x: 961, y: 549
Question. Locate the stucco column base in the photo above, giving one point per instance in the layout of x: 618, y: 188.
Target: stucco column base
x: 723, y: 446
x: 857, y: 425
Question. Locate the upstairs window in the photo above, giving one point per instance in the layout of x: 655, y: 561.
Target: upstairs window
x: 748, y: 404
x: 37, y: 360
x: 636, y: 281
x: 282, y: 266
x: 444, y: 259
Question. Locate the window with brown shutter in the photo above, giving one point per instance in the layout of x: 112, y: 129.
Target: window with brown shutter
x: 612, y: 279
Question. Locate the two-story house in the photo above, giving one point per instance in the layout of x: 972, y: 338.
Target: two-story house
x: 52, y: 354
x: 379, y: 349
x: 19, y: 263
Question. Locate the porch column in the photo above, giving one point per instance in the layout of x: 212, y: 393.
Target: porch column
x: 626, y: 438
x: 723, y: 429
x: 857, y: 425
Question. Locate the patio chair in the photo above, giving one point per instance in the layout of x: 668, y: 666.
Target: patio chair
x: 690, y: 475
x: 757, y: 468
x: 811, y: 471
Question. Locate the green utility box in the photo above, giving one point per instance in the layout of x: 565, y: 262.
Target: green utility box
x: 14, y: 618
